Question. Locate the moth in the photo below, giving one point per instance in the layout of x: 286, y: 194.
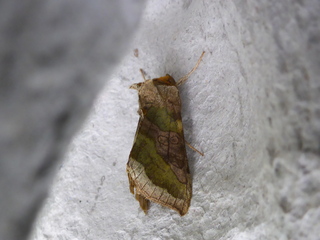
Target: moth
x: 158, y: 168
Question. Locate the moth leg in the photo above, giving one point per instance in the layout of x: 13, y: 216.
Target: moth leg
x: 184, y: 78
x: 144, y: 203
x: 142, y: 73
x: 193, y: 148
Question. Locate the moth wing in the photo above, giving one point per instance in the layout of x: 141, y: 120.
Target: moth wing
x: 158, y: 166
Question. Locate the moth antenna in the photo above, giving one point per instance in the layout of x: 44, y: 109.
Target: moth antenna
x: 193, y: 148
x: 142, y: 73
x: 184, y: 78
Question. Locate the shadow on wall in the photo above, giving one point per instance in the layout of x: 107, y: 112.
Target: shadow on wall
x: 50, y: 53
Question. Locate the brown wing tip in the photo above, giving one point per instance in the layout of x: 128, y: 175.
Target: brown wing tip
x: 184, y: 210
x: 144, y: 203
x: 131, y: 184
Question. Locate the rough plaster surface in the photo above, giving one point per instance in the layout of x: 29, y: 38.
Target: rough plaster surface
x: 51, y: 55
x: 252, y: 107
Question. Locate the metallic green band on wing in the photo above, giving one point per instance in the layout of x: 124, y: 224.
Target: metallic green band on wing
x: 164, y: 120
x: 158, y: 171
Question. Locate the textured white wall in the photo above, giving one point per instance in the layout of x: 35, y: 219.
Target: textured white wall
x: 52, y: 56
x: 252, y: 107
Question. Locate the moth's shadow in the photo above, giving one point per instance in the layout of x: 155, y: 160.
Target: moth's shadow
x: 187, y: 113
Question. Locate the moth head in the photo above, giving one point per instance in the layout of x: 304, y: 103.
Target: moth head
x: 166, y: 80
